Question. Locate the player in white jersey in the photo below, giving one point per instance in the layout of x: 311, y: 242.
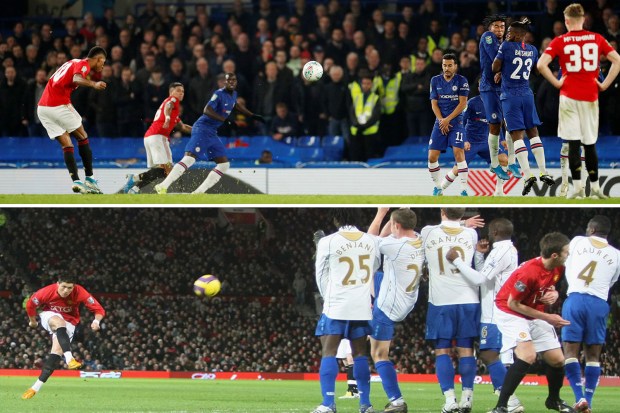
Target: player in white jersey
x: 345, y: 264
x: 490, y: 274
x: 592, y: 269
x: 454, y: 306
x: 397, y: 293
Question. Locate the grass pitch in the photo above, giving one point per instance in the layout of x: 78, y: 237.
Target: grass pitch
x: 180, y: 395
x: 262, y: 199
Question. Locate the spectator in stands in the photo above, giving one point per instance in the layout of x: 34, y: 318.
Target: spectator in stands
x: 154, y: 93
x: 414, y: 89
x: 334, y: 104
x: 436, y: 38
x: 177, y: 72
x: 128, y: 104
x: 294, y: 61
x: 103, y: 104
x: 266, y: 158
x: 434, y: 67
x: 285, y: 75
x: 469, y: 66
x: 268, y: 90
x: 548, y: 104
x: 336, y: 48
x: 613, y: 29
x: 32, y: 95
x: 12, y: 89
x: 143, y: 75
x: 284, y: 124
x: 243, y: 87
x: 545, y: 22
x: 199, y: 91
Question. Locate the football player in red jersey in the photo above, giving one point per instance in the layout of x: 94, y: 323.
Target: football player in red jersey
x: 157, y: 140
x: 61, y: 120
x: 60, y: 314
x: 525, y: 326
x: 579, y: 53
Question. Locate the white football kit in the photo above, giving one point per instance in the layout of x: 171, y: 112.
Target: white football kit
x: 447, y: 286
x: 499, y: 264
x: 402, y: 268
x: 345, y: 264
x: 592, y: 267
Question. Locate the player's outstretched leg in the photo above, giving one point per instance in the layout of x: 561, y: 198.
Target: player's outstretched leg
x: 178, y: 170
x: 213, y: 178
x: 51, y: 363
x: 435, y: 171
x: 449, y: 178
x: 141, y: 180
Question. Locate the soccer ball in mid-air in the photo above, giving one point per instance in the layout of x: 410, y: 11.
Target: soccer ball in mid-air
x: 312, y: 71
x: 207, y: 286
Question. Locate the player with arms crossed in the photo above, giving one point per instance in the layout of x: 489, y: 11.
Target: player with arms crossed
x: 398, y: 293
x: 449, y: 92
x: 579, y: 53
x: 345, y: 264
x: 476, y: 143
x: 61, y: 120
x: 592, y: 268
x: 490, y: 274
x: 60, y: 314
x: 490, y: 93
x: 453, y: 306
x: 205, y: 142
x: 157, y: 140
x: 515, y: 60
x: 526, y: 328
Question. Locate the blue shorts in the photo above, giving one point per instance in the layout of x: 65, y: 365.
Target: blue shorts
x: 490, y: 337
x: 452, y: 321
x: 520, y: 113
x: 454, y: 138
x: 492, y: 106
x: 204, y: 143
x: 482, y: 150
x: 588, y: 319
x: 347, y: 329
x: 382, y: 326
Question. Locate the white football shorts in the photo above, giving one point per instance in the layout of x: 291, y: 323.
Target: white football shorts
x: 518, y: 329
x: 578, y: 120
x: 344, y: 349
x: 45, y: 318
x: 59, y: 119
x: 157, y: 150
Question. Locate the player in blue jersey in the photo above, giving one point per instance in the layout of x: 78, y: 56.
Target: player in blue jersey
x: 449, y: 92
x: 476, y: 143
x: 515, y: 60
x: 490, y: 91
x: 204, y: 141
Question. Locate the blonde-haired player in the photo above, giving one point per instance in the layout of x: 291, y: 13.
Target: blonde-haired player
x: 579, y: 53
x: 592, y: 268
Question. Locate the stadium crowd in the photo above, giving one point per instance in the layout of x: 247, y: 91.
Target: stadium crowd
x: 399, y: 46
x: 141, y: 265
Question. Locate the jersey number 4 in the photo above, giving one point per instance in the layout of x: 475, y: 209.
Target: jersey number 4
x: 587, y: 274
x: 581, y: 57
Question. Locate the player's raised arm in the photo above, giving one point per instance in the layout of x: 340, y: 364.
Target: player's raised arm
x: 375, y: 225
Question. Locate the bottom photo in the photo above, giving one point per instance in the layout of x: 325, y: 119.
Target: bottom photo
x: 291, y: 309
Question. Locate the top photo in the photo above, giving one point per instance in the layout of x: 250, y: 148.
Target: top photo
x: 309, y: 102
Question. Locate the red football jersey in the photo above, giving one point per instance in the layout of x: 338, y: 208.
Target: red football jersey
x: 157, y: 127
x: 47, y: 299
x: 579, y: 53
x: 528, y: 283
x: 59, y: 87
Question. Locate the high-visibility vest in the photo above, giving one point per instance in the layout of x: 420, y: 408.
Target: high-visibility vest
x: 443, y: 44
x: 365, y: 110
x: 390, y: 100
x: 355, y: 87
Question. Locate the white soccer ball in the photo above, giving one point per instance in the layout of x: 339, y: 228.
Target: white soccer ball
x: 312, y: 71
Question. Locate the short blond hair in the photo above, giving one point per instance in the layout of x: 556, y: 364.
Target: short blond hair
x: 574, y: 11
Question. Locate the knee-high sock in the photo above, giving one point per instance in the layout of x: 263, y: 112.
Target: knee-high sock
x: 591, y: 159
x: 497, y: 370
x: 327, y: 376
x: 149, y: 176
x: 539, y: 153
x: 592, y: 373
x: 463, y: 173
x: 87, y: 156
x: 584, y: 177
x: 178, y: 170
x: 514, y: 375
x: 361, y: 371
x: 573, y: 374
x: 445, y: 372
x: 555, y: 378
x: 574, y: 163
x: 50, y: 364
x: 435, y: 170
x: 388, y: 379
x: 70, y: 163
x: 351, y: 383
x: 493, y: 149
x: 65, y: 342
x: 564, y: 162
x: 448, y: 179
x: 499, y: 186
x: 511, y: 149
x: 521, y: 154
x: 467, y: 370
x: 213, y: 178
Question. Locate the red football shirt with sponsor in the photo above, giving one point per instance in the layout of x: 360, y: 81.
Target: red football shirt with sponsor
x: 58, y: 89
x: 579, y: 53
x: 527, y: 284
x: 157, y: 127
x: 48, y: 299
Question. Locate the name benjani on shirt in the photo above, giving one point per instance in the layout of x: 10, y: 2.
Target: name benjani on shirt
x: 355, y: 244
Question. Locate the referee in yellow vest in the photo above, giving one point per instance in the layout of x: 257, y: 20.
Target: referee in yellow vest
x: 364, y: 113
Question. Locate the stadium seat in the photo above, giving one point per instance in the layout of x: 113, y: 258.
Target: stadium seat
x: 415, y: 140
x: 309, y: 141
x: 333, y: 147
x: 310, y: 154
x: 289, y: 140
